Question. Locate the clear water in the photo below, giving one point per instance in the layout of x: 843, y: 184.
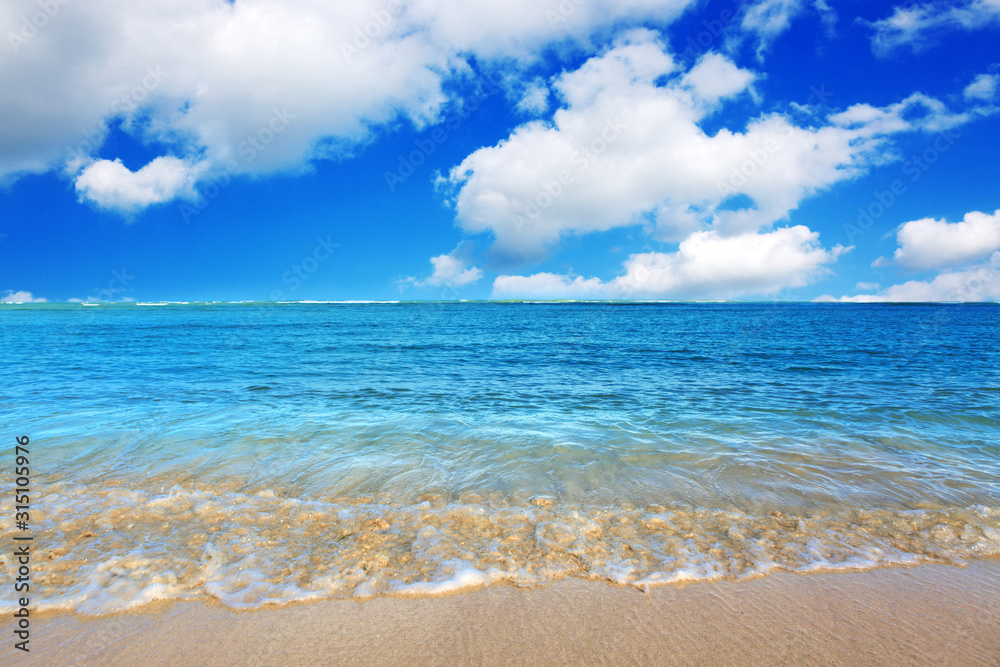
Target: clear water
x: 263, y: 453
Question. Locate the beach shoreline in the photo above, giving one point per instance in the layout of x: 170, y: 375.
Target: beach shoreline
x: 928, y: 614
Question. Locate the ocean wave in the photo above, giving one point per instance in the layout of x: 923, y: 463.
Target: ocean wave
x: 110, y: 548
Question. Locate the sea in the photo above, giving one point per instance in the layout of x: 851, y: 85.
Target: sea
x: 266, y: 453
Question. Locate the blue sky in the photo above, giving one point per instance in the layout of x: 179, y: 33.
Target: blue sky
x: 644, y: 149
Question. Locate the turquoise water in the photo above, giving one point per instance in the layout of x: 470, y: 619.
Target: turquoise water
x: 263, y: 453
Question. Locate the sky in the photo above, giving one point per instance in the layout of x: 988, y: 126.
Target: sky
x: 203, y: 150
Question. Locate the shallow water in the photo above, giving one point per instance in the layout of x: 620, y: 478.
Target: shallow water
x: 263, y: 453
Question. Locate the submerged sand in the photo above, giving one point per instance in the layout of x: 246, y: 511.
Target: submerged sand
x: 930, y: 614
x: 110, y: 547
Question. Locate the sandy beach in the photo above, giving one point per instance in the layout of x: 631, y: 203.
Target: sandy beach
x: 409, y: 332
x: 929, y: 614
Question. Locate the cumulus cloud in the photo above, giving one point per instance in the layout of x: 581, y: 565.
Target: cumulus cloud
x: 715, y: 78
x: 983, y: 87
x: 938, y: 244
x: 917, y: 25
x: 535, y: 99
x: 706, y: 265
x: 450, y: 270
x: 977, y: 283
x: 10, y: 296
x: 206, y: 78
x: 935, y: 244
x: 110, y: 184
x: 627, y: 147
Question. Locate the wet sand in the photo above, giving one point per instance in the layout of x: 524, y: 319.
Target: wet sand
x: 931, y: 614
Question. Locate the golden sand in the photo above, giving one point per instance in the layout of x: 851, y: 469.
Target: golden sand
x: 930, y: 614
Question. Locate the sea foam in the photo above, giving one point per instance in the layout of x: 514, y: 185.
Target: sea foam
x: 109, y: 549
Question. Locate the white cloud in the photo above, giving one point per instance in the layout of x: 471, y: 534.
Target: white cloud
x: 10, y: 296
x: 450, y: 270
x: 935, y: 244
x: 205, y: 78
x: 917, y: 25
x: 771, y: 17
x: 548, y: 286
x: 706, y: 265
x: 518, y: 28
x: 938, y: 244
x: 627, y: 148
x: 867, y: 287
x: 916, y: 112
x: 767, y: 19
x: 978, y: 283
x: 983, y: 87
x: 827, y: 15
x: 535, y: 99
x: 110, y: 184
x: 714, y: 78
